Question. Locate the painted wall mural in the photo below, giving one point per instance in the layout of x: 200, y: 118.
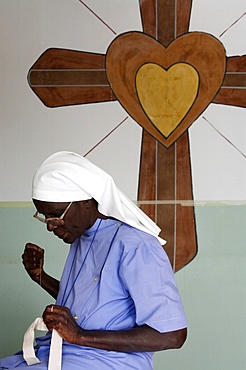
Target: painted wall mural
x: 164, y: 78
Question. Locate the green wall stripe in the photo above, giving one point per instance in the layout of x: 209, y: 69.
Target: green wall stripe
x: 16, y: 204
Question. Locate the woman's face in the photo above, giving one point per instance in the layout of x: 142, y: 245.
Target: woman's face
x: 79, y: 217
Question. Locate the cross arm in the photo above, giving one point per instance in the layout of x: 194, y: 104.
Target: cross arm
x: 63, y: 77
x: 233, y: 89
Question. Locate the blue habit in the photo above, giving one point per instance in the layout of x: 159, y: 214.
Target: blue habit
x: 115, y: 277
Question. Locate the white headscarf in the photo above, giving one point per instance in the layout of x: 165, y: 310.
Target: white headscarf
x: 67, y: 177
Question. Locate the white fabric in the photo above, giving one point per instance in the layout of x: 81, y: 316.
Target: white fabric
x: 55, y: 356
x: 67, y: 176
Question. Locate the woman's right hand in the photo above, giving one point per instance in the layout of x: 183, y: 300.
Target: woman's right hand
x: 33, y: 261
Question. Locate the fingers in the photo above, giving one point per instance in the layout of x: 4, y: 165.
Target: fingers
x: 33, y: 260
x: 54, y: 314
x: 61, y: 319
x: 33, y: 247
x: 31, y: 251
x: 57, y: 310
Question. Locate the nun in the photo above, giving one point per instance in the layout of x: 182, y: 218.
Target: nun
x: 117, y: 301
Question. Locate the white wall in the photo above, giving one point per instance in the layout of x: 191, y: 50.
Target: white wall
x: 30, y: 131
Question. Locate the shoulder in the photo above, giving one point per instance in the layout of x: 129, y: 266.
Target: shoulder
x: 131, y: 234
x: 132, y: 239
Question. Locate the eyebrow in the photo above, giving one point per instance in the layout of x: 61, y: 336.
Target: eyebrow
x: 55, y: 212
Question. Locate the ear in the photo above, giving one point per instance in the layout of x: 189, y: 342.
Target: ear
x: 87, y: 203
x: 92, y: 205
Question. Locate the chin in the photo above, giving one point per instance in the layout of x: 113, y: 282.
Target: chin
x: 69, y: 239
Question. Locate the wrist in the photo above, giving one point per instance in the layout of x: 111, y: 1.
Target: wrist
x: 80, y: 337
x: 40, y: 278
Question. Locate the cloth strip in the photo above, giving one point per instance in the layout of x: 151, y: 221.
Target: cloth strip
x: 55, y: 356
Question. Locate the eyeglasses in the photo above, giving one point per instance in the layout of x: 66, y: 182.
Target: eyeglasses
x: 55, y: 221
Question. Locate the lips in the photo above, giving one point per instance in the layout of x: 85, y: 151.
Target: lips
x: 67, y: 237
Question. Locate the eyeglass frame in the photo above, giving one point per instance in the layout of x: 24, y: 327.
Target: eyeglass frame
x: 53, y: 219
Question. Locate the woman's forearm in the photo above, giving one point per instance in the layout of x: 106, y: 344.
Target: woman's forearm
x: 139, y: 339
x: 50, y: 284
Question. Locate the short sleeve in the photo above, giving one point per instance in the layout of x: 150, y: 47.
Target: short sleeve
x: 146, y: 273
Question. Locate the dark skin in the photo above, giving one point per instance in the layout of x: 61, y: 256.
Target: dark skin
x: 80, y: 217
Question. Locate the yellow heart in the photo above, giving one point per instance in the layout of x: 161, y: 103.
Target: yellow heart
x: 166, y: 96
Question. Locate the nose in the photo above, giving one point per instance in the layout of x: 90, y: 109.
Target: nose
x: 51, y: 227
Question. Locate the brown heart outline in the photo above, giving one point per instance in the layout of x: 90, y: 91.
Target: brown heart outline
x: 131, y: 50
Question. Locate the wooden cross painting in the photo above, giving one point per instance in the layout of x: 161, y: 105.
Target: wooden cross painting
x: 164, y: 77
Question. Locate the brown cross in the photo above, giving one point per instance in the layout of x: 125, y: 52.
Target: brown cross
x: 65, y: 77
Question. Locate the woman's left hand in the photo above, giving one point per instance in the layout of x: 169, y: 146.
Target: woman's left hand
x: 61, y: 319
